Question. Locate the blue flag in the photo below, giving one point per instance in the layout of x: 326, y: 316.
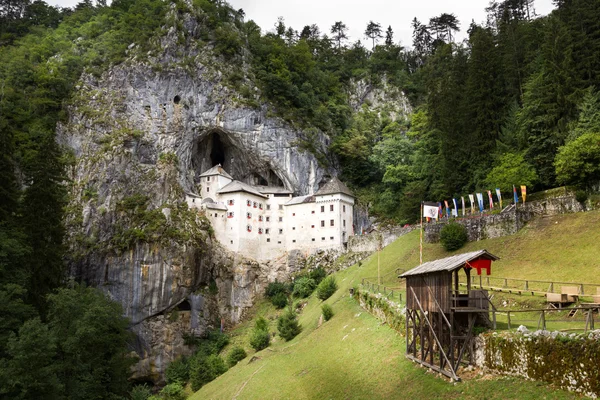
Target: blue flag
x: 515, y: 194
x: 480, y: 201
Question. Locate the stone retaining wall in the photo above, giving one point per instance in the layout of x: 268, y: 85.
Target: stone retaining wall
x: 370, y: 242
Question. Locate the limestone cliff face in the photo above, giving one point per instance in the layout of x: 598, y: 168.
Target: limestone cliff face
x: 141, y: 134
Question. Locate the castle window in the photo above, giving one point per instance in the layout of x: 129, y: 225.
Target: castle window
x: 267, y: 231
x: 280, y: 219
x: 344, y: 208
x: 249, y: 228
x: 331, y: 207
x: 255, y: 204
x: 331, y: 237
x: 322, y: 208
x: 294, y: 241
x: 278, y: 242
x: 248, y: 215
x: 293, y: 228
x: 322, y: 238
x: 193, y: 200
x: 281, y: 231
x: 344, y: 222
x: 312, y: 212
x: 313, y: 239
x: 268, y: 206
x: 330, y: 222
x: 230, y: 215
x: 260, y: 206
x: 208, y: 189
x: 268, y: 219
x: 293, y: 214
x: 281, y: 206
x: 248, y: 203
x: 231, y: 241
x: 260, y: 231
x: 268, y: 240
x: 322, y: 224
x: 229, y: 202
x: 312, y: 226
x: 216, y: 215
x: 208, y: 179
x: 260, y: 217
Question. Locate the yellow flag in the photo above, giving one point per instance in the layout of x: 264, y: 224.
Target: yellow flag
x: 524, y: 192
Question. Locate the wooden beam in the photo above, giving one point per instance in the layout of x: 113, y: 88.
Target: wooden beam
x: 434, y: 367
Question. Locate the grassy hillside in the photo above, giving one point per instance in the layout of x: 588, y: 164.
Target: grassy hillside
x: 354, y: 356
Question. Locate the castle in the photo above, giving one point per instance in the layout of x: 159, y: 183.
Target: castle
x: 265, y: 222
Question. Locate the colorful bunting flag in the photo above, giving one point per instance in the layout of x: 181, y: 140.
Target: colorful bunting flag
x: 516, y: 196
x: 491, y: 200
x: 430, y: 210
x: 440, y: 209
x: 524, y: 192
x: 463, y: 205
x: 455, y: 209
x: 499, y: 195
x: 447, y: 208
x: 480, y: 201
x: 472, y: 200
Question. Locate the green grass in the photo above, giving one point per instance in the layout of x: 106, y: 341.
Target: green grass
x: 354, y: 356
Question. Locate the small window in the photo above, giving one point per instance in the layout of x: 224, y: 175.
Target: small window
x: 208, y: 179
x: 344, y: 208
x: 313, y: 239
x: 331, y: 207
x: 268, y: 206
x: 267, y: 231
x: 230, y: 215
x: 231, y: 241
x: 312, y: 226
x: 248, y: 203
x: 312, y: 212
x: 260, y: 217
x: 229, y: 202
x: 344, y: 223
x: 293, y: 214
x: 281, y: 206
x: 193, y: 200
x: 208, y: 189
x: 268, y: 219
x: 268, y: 240
x: 216, y: 215
x: 249, y: 228
x: 260, y: 206
x: 280, y: 231
x: 322, y: 208
x: 322, y: 224
x: 248, y: 215
x: 330, y: 222
x: 278, y: 242
x: 255, y: 204
x: 293, y: 228
x: 294, y: 241
x: 331, y: 237
x: 280, y: 219
x: 260, y: 231
x: 322, y: 238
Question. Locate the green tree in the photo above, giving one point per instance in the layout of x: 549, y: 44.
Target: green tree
x: 338, y: 30
x: 578, y: 162
x: 512, y: 169
x: 373, y: 32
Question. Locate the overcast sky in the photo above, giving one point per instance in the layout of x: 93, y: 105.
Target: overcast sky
x: 356, y: 14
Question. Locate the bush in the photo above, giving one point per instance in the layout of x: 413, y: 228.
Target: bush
x: 303, y: 287
x: 205, y: 369
x: 581, y: 196
x: 261, y: 324
x: 280, y: 300
x: 453, y: 236
x: 173, y: 391
x: 288, y: 326
x: 326, y: 288
x: 260, y: 339
x: 140, y: 392
x: 317, y: 274
x: 327, y: 311
x: 236, y: 355
x: 275, y: 288
x: 177, y: 371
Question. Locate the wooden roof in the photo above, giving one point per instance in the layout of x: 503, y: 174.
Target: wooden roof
x: 449, y: 263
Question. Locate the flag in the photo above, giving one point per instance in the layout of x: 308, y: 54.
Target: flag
x: 463, y: 204
x: 472, y: 199
x: 491, y: 200
x: 499, y: 195
x: 480, y: 201
x: 430, y: 210
x: 447, y: 208
x: 515, y: 194
x: 524, y: 192
x: 455, y: 209
x: 440, y: 208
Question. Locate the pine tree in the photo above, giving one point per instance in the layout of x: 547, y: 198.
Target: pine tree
x: 373, y: 32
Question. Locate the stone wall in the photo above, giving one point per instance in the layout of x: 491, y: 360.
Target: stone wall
x: 484, y: 226
x: 371, y: 241
x: 569, y: 361
x: 387, y: 311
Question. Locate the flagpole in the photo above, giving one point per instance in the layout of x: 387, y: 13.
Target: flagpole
x: 421, y: 238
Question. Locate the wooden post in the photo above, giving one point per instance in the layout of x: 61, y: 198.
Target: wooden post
x: 494, y: 318
x: 526, y: 285
x: 508, y: 315
x: 480, y: 282
x: 581, y: 290
x: 505, y: 282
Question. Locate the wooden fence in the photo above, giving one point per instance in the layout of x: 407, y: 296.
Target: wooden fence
x: 530, y: 286
x: 392, y: 293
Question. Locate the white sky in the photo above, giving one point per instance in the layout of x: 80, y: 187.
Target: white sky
x: 356, y: 14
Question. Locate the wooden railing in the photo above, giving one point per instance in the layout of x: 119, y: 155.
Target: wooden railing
x: 392, y: 293
x: 532, y: 286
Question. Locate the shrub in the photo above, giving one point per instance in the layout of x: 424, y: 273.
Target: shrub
x: 280, y: 300
x: 173, y: 391
x: 327, y: 311
x: 236, y: 355
x: 177, y: 371
x: 317, y: 274
x: 303, y: 287
x: 453, y: 236
x: 288, y: 326
x: 581, y: 196
x: 140, y: 392
x: 260, y: 339
x: 274, y: 288
x: 204, y: 369
x: 261, y: 324
x: 326, y: 288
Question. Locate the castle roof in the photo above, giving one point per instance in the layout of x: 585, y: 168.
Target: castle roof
x: 216, y: 170
x: 273, y: 189
x: 301, y: 199
x: 449, y: 263
x: 216, y: 206
x: 332, y: 187
x: 237, y: 186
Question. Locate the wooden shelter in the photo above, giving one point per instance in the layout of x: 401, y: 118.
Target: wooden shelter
x: 441, y: 310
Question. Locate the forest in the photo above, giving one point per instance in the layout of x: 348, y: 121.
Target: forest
x: 516, y: 103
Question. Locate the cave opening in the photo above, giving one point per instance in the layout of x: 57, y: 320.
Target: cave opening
x: 176, y: 99
x: 184, y: 306
x: 217, y: 153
